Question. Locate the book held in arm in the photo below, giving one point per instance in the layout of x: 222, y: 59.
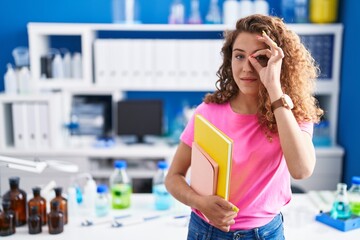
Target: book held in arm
x: 204, y: 172
x: 218, y: 147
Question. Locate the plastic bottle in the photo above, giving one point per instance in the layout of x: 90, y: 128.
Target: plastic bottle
x: 24, y: 81
x: 10, y: 80
x: 76, y: 65
x: 354, y: 195
x: 261, y: 7
x: 246, y: 8
x: 323, y: 11
x: 7, y: 220
x: 40, y: 203
x: 55, y: 219
x: 90, y: 195
x: 341, y: 208
x: 322, y: 134
x: 67, y: 64
x: 120, y: 185
x: 34, y: 221
x: 102, y: 203
x: 162, y: 197
x: 213, y: 16
x: 57, y: 66
x: 230, y: 12
x: 195, y: 17
x: 17, y: 199
x: 62, y: 203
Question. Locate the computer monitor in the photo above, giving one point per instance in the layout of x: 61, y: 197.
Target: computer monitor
x: 139, y: 118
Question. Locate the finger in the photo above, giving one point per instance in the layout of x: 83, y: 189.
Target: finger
x: 255, y: 64
x: 269, y: 41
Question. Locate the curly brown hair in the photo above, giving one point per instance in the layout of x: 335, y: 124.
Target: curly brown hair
x: 298, y: 71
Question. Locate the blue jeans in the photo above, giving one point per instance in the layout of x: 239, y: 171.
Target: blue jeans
x: 201, y: 230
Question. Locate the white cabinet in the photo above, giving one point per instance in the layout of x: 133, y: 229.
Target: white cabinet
x: 125, y: 63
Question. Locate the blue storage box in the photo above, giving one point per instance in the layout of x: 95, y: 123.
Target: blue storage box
x: 340, y: 224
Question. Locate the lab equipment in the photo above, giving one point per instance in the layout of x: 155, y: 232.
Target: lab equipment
x: 341, y: 208
x: 162, y: 197
x: 102, y: 202
x: 63, y: 205
x: 7, y: 220
x: 40, y: 203
x: 34, y: 221
x: 354, y: 195
x: 120, y: 185
x: 56, y: 219
x: 10, y: 80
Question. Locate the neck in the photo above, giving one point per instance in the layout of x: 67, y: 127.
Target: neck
x: 244, y: 104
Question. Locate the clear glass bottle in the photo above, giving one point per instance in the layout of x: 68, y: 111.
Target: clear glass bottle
x: 195, y: 17
x: 62, y: 203
x: 39, y: 202
x: 213, y: 16
x: 17, y: 198
x: 341, y: 208
x: 120, y: 185
x: 102, y: 202
x: 354, y: 195
x: 55, y: 219
x: 7, y: 220
x: 34, y: 221
x: 162, y: 197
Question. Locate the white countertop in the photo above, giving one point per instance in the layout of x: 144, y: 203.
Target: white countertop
x: 299, y: 224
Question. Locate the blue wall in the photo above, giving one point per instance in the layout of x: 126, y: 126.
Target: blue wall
x: 349, y: 112
x: 15, y: 14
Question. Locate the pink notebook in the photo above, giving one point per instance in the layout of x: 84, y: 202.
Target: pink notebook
x: 204, y: 172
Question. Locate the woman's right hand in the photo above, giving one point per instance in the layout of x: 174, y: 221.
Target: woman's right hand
x: 218, y: 211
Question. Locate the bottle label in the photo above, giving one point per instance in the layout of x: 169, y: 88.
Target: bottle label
x: 163, y: 199
x: 121, y: 194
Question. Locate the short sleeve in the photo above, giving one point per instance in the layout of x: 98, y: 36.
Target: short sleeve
x: 307, y: 127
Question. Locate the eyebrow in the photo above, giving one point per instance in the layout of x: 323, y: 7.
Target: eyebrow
x: 241, y: 50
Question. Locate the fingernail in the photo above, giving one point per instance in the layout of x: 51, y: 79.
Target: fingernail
x: 235, y: 209
x: 264, y: 33
x: 274, y: 44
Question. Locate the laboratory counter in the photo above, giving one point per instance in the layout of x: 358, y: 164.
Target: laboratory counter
x: 299, y: 223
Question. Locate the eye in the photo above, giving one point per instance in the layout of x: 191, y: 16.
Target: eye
x: 239, y: 56
x: 262, y: 59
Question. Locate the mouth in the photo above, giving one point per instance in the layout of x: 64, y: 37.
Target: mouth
x: 248, y: 79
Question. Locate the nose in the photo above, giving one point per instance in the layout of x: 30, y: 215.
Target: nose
x: 247, y: 67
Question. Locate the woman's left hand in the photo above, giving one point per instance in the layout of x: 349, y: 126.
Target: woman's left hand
x: 269, y: 73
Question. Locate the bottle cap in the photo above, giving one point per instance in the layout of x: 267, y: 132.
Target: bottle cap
x: 36, y: 191
x: 355, y: 179
x: 102, y: 189
x: 120, y: 164
x: 14, y: 181
x: 55, y: 204
x: 58, y: 191
x: 162, y: 165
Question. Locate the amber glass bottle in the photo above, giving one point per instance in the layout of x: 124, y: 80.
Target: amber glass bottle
x: 34, y: 221
x: 7, y: 220
x: 62, y: 203
x: 40, y: 203
x: 55, y: 219
x: 17, y: 198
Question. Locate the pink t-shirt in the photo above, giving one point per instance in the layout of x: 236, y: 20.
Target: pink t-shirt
x: 260, y: 180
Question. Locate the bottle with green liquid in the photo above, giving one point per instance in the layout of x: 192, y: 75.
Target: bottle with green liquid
x: 120, y: 186
x: 354, y: 195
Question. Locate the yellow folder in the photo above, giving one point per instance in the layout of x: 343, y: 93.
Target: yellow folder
x: 219, y: 147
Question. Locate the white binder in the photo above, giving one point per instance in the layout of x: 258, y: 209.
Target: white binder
x: 43, y: 124
x: 19, y: 115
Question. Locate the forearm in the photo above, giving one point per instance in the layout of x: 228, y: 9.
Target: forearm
x: 297, y: 146
x: 176, y: 184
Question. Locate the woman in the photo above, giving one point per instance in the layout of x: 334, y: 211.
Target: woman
x: 264, y: 102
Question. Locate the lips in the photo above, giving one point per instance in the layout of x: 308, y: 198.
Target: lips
x: 248, y: 79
